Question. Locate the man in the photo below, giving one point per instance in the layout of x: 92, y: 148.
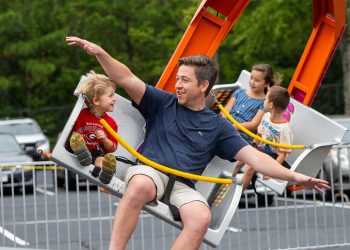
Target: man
x: 183, y: 134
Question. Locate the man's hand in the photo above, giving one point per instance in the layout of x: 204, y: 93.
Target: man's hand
x: 313, y: 183
x: 116, y: 70
x: 89, y: 47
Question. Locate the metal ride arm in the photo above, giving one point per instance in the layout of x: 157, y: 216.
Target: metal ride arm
x: 328, y: 27
x: 204, y: 34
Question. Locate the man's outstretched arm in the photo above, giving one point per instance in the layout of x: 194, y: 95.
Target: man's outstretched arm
x: 117, y: 71
x: 266, y: 165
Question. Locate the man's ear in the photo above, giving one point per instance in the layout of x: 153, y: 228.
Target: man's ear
x: 204, y: 86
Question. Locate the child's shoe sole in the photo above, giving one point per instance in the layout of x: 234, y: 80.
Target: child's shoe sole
x: 77, y: 143
x: 108, y: 168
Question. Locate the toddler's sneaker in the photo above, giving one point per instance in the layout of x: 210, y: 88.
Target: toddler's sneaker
x: 77, y: 143
x: 108, y: 168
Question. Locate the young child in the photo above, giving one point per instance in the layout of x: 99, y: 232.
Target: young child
x: 273, y: 127
x: 90, y: 142
x: 247, y: 105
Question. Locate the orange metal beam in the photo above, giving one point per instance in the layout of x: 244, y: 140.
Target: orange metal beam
x: 207, y: 30
x: 328, y: 26
x: 204, y: 34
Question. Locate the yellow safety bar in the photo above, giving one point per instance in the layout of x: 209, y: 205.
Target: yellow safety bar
x: 159, y: 166
x: 240, y: 127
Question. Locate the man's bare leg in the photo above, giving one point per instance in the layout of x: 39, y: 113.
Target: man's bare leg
x: 141, y: 190
x: 196, y: 218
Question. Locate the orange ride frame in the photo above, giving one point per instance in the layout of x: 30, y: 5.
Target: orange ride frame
x: 207, y: 30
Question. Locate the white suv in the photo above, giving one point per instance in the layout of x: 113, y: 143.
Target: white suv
x: 28, y: 134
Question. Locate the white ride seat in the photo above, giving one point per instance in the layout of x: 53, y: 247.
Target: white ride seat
x: 309, y: 128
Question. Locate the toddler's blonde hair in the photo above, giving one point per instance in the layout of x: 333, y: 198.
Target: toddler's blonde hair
x: 95, y: 85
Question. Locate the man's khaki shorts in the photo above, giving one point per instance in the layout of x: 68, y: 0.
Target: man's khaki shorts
x: 181, y: 193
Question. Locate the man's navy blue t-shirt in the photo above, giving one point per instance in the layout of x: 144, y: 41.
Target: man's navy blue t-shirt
x: 184, y: 139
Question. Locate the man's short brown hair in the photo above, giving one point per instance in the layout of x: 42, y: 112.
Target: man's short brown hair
x: 205, y: 68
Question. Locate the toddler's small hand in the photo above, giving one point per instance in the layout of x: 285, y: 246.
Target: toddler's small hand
x: 100, y: 135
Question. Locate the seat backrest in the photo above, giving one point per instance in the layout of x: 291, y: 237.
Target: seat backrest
x: 223, y: 92
x: 311, y: 127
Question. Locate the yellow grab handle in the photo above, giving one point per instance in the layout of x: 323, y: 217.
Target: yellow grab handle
x: 239, y: 126
x: 159, y: 166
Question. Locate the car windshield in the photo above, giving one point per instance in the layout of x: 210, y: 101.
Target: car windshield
x: 20, y: 128
x: 8, y: 144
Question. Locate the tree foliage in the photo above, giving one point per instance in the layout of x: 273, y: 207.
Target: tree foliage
x: 39, y: 72
x: 273, y: 32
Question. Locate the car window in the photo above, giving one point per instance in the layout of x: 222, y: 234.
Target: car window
x: 8, y: 144
x: 20, y: 128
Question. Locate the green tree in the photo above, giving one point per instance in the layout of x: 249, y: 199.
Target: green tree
x: 39, y: 72
x: 273, y: 32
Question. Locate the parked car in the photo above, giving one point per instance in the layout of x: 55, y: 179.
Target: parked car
x: 11, y: 152
x: 28, y: 134
x: 338, y: 162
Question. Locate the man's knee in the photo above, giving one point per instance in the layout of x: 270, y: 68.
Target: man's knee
x: 201, y: 223
x: 197, y: 216
x: 204, y: 219
x: 141, y: 188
